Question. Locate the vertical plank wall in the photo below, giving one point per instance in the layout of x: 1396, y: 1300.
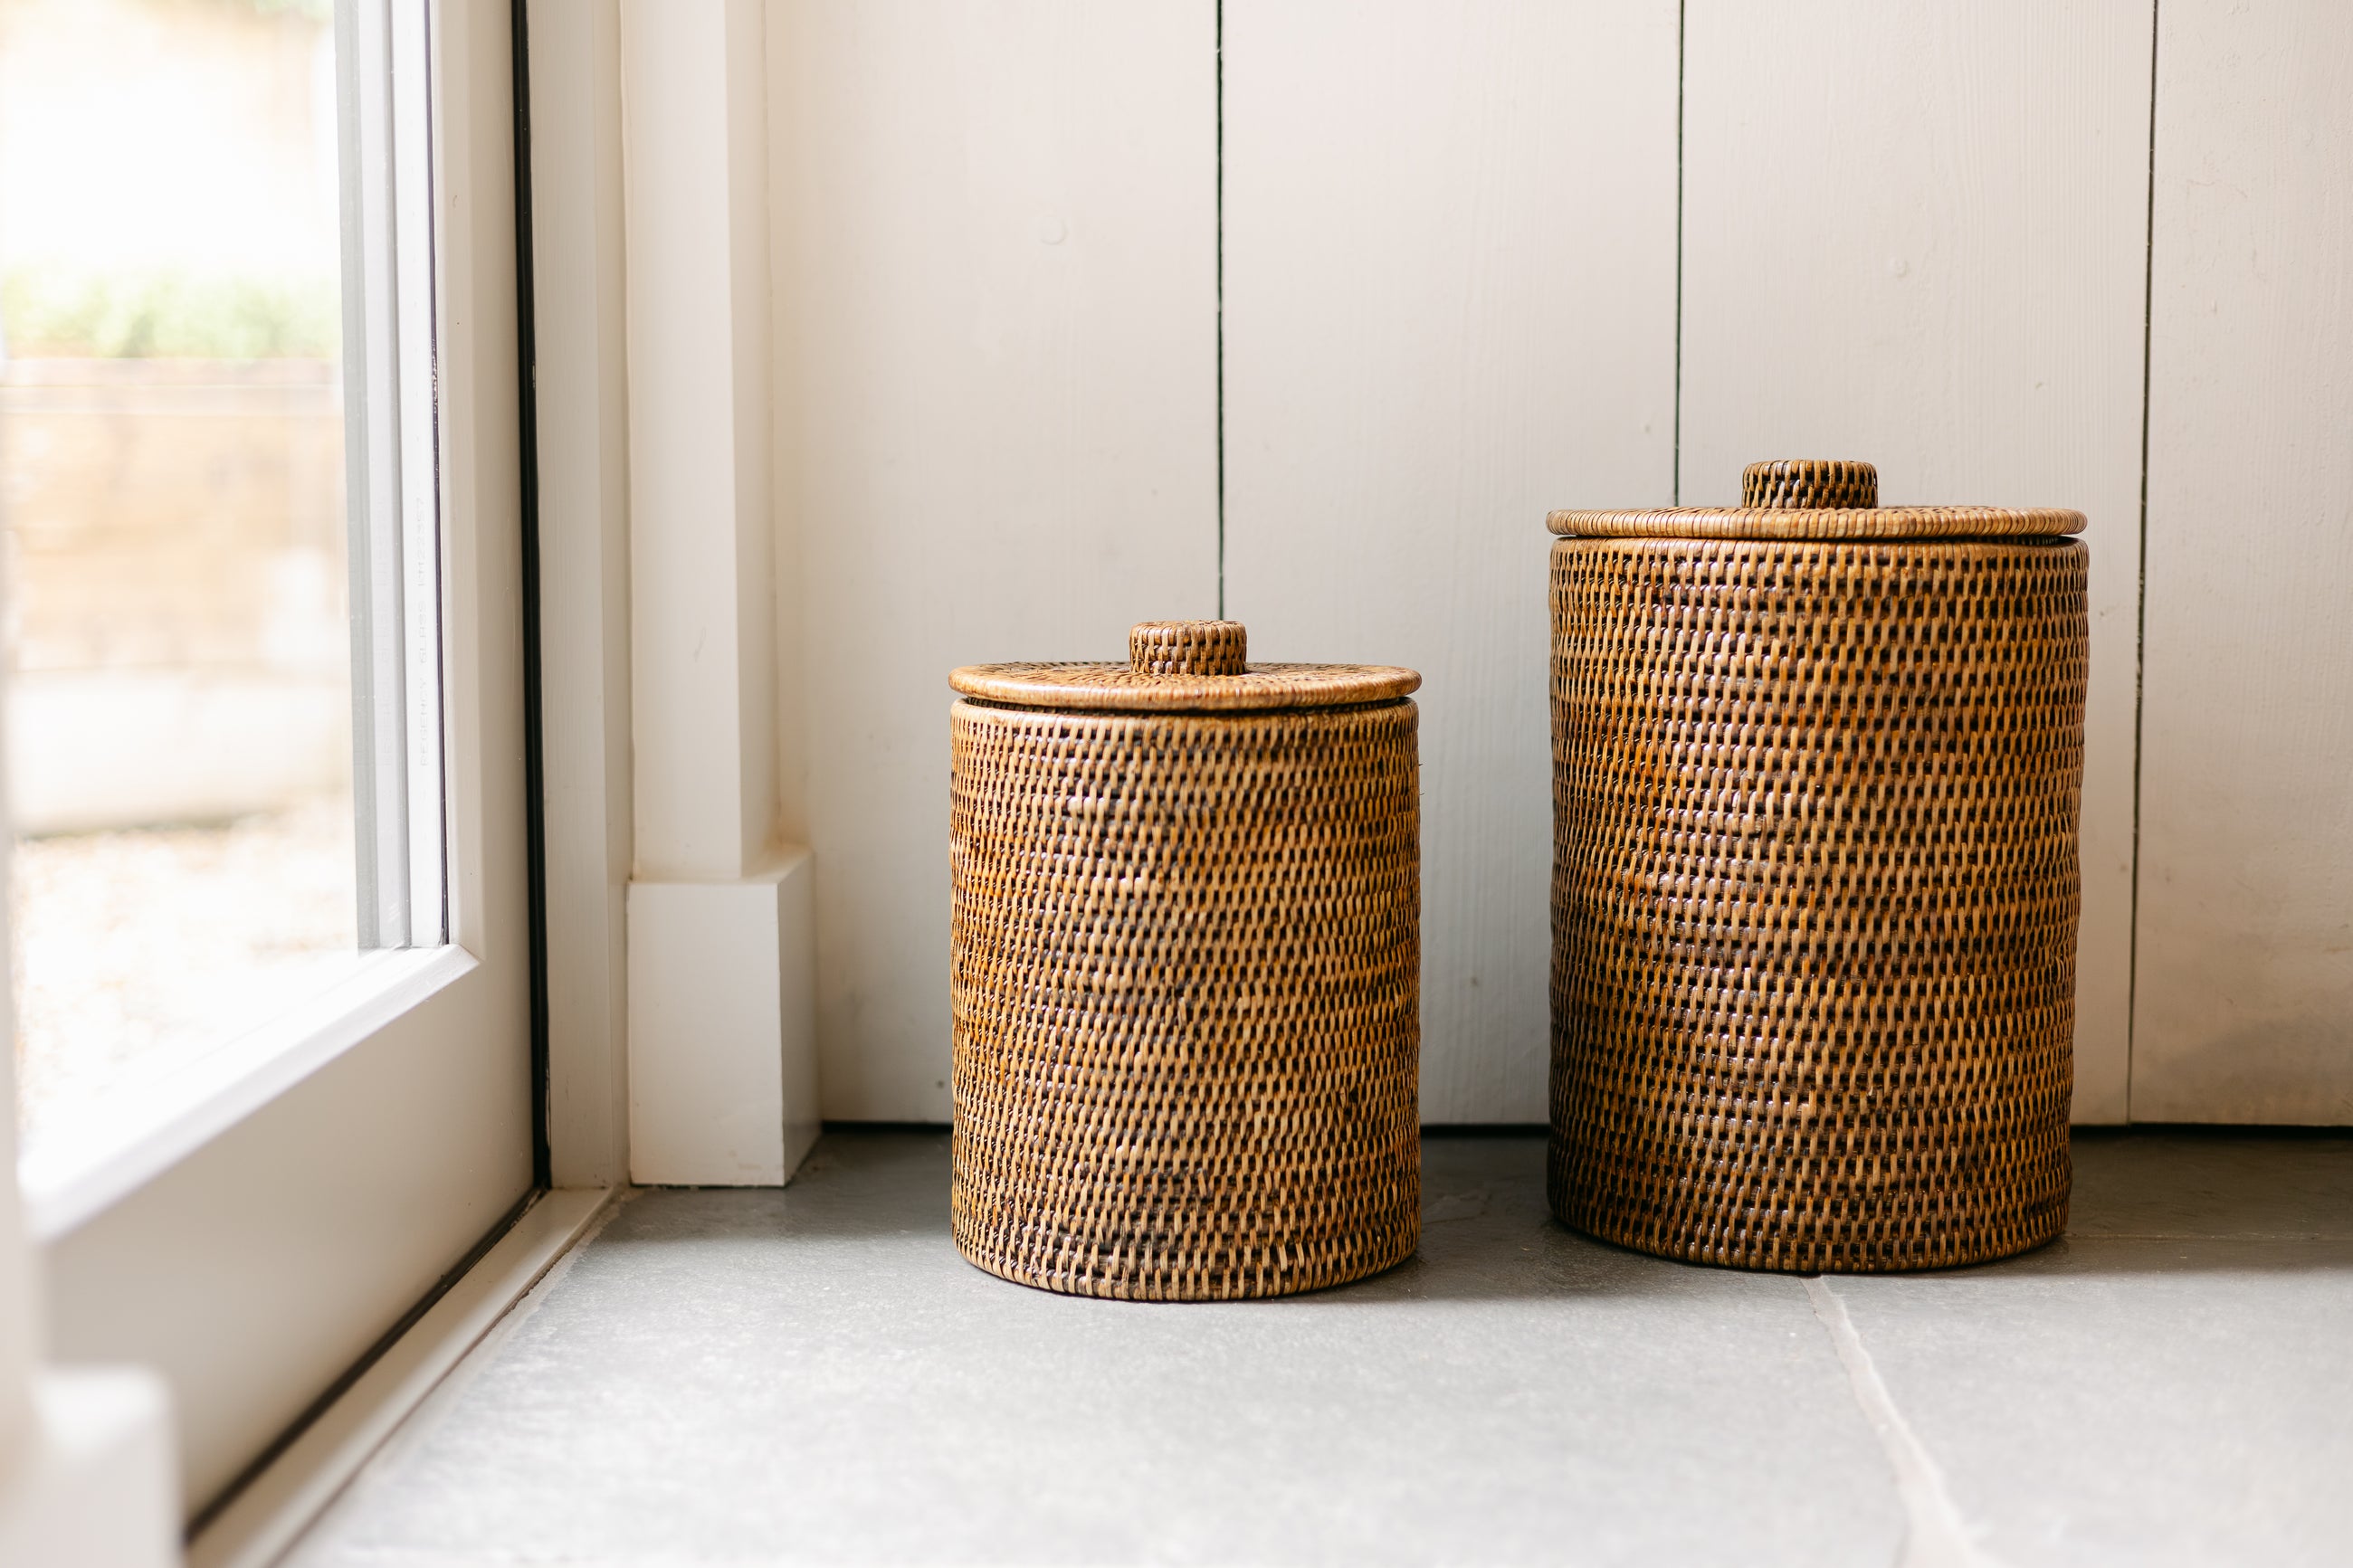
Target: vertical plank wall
x: 1916, y: 235
x: 1465, y: 280
x: 2246, y: 1006
x: 1449, y: 254
x: 995, y: 251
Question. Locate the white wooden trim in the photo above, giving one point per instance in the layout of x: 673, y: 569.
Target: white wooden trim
x: 259, y: 1269
x: 722, y: 1070
x: 584, y: 579
x: 703, y: 532
x: 95, y: 1490
x: 79, y: 1169
x: 393, y: 448
x: 722, y: 1029
x: 424, y: 534
x: 279, y: 1503
x: 373, y: 467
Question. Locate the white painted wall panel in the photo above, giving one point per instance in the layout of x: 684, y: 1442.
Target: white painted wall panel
x: 2245, y: 1002
x: 1450, y: 248
x: 1916, y: 235
x: 996, y: 394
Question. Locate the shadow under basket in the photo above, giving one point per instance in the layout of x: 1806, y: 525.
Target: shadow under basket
x: 1816, y: 772
x: 1186, y: 971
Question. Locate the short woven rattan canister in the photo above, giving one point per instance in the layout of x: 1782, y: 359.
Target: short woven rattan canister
x: 1816, y: 770
x: 1185, y: 969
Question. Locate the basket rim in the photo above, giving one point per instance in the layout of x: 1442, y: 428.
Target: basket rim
x: 1820, y: 522
x: 1121, y: 689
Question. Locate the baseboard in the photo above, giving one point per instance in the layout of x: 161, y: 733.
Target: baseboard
x: 722, y: 1028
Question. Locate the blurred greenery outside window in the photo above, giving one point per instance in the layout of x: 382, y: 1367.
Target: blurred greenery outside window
x: 54, y: 312
x: 171, y: 483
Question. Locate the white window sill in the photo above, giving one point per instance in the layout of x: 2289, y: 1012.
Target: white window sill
x: 77, y: 1170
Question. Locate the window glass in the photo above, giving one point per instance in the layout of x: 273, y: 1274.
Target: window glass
x: 173, y: 484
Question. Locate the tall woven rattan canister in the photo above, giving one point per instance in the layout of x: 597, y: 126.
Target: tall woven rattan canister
x: 1185, y: 969
x: 1816, y: 770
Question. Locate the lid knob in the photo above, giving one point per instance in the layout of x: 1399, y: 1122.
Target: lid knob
x: 1809, y: 483
x: 1189, y: 648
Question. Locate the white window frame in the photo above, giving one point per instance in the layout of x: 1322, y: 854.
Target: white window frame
x: 398, y: 782
x: 262, y: 1221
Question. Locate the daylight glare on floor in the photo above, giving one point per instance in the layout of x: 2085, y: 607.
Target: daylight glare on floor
x: 814, y: 1375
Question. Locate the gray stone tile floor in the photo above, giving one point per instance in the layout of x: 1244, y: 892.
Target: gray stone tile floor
x: 814, y: 1375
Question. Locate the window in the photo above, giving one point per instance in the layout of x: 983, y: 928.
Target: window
x: 172, y: 448
x: 257, y: 440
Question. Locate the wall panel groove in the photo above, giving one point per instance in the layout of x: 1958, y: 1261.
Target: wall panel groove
x: 2245, y: 922
x: 1450, y: 242
x: 1918, y: 236
x: 995, y: 395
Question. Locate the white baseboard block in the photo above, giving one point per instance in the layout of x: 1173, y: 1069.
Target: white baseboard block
x: 722, y: 1029
x: 98, y: 1487
x: 263, y: 1521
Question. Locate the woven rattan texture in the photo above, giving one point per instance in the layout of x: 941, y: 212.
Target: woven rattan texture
x: 1123, y: 688
x: 1807, y: 482
x: 1814, y: 897
x: 1186, y: 979
x: 1821, y: 523
x: 1189, y: 648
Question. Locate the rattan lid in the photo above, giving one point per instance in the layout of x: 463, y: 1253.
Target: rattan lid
x: 1183, y: 666
x: 1812, y: 498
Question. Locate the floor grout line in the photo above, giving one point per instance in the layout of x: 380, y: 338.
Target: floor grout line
x: 1934, y: 1536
